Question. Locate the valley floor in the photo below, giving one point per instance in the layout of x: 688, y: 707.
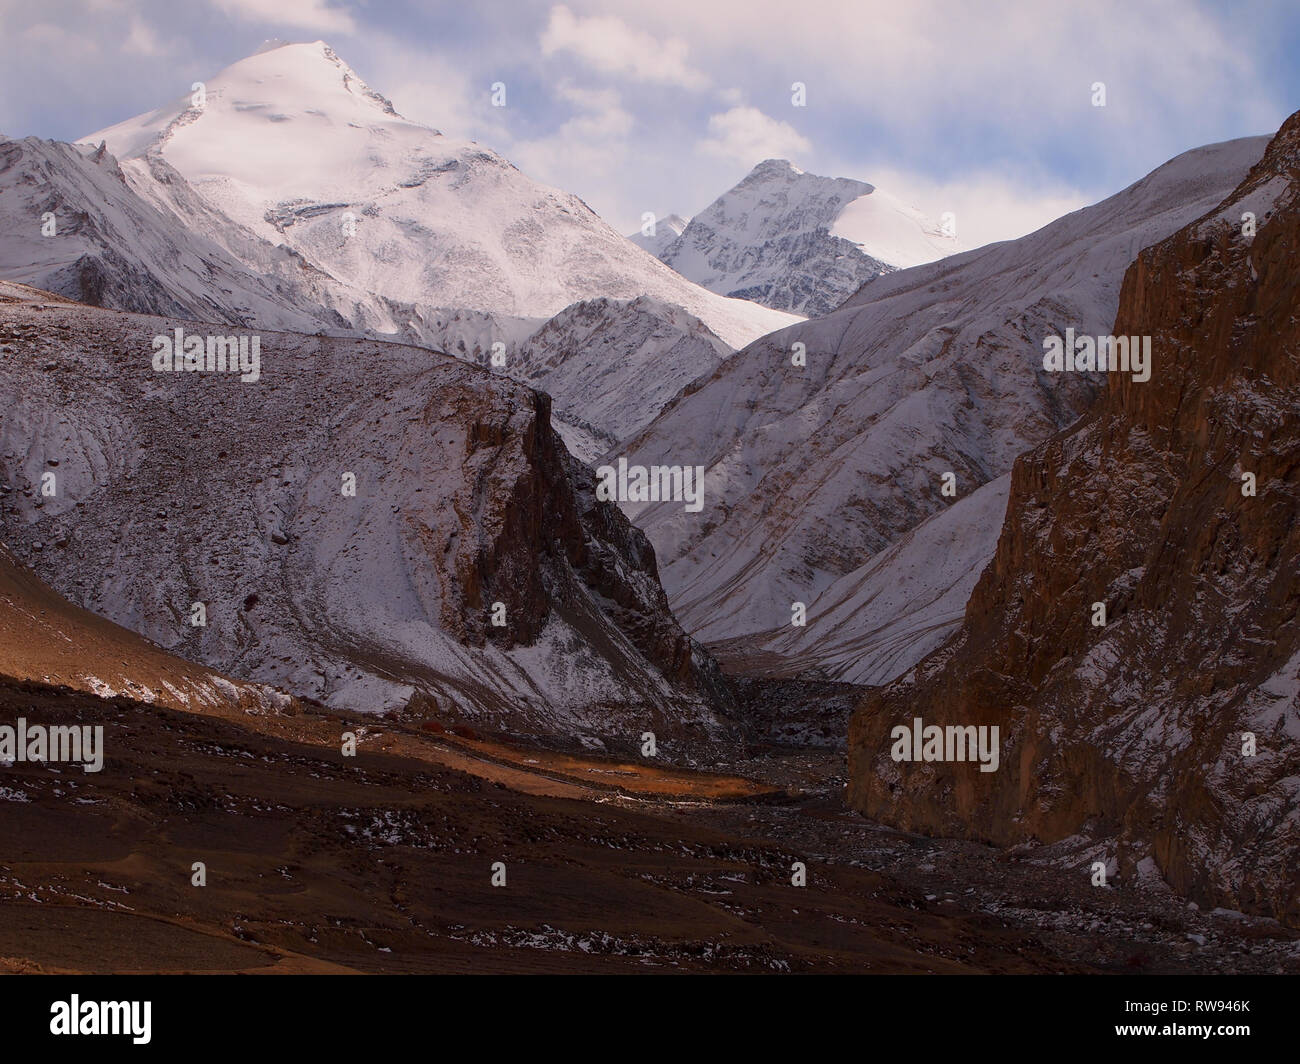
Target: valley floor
x: 383, y: 863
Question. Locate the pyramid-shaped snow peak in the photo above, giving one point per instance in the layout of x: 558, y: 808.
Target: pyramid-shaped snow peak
x: 293, y: 144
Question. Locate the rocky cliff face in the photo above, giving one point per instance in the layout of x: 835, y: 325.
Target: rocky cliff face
x: 1134, y: 732
x: 354, y: 521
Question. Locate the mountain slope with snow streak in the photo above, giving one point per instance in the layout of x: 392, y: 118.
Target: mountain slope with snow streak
x: 609, y: 365
x: 108, y: 247
x: 666, y: 231
x: 878, y: 620
x: 45, y: 639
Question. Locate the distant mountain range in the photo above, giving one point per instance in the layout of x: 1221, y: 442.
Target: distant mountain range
x: 895, y: 491
x: 381, y: 228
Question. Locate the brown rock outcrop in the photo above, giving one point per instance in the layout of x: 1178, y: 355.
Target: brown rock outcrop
x: 1134, y: 731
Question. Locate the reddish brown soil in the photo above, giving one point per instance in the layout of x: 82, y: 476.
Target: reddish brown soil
x: 383, y: 863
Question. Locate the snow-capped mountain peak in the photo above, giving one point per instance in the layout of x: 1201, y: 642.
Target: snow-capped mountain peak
x: 295, y: 146
x: 304, y: 123
x: 666, y: 230
x: 278, y: 83
x: 797, y: 241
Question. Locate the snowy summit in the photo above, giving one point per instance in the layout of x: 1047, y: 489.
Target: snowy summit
x: 798, y: 242
x: 291, y: 143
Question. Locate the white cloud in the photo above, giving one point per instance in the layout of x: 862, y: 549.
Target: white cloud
x: 996, y: 95
x: 601, y: 114
x: 611, y: 46
x: 1010, y: 71
x: 987, y: 206
x: 592, y: 143
x: 314, y: 15
x: 59, y: 40
x: 747, y: 136
x: 437, y: 92
x: 142, y: 40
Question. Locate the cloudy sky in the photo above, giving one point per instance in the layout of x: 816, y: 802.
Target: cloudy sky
x: 982, y: 109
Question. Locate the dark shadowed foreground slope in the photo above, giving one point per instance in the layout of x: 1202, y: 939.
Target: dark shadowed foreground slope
x: 383, y: 863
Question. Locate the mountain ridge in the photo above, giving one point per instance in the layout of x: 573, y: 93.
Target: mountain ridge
x: 464, y: 508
